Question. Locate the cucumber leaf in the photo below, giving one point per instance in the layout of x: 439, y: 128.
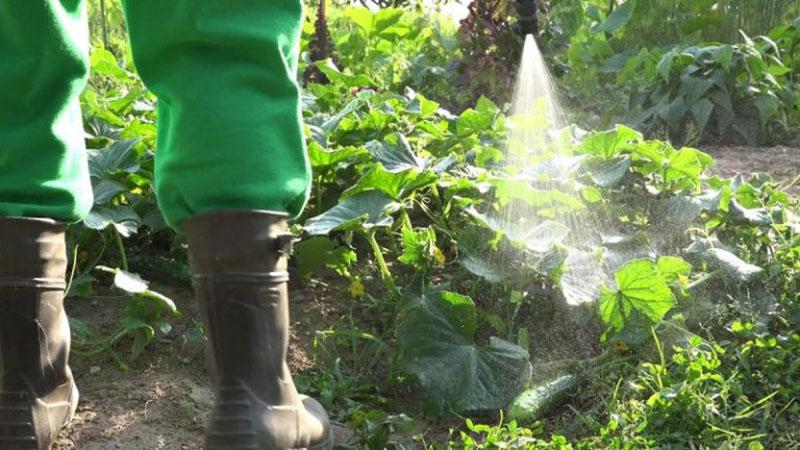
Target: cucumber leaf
x: 437, y: 332
x: 641, y: 289
x: 395, y: 153
x: 395, y: 185
x: 621, y: 15
x: 732, y: 266
x: 367, y: 210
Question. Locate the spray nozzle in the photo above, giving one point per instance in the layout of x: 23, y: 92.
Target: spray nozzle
x: 527, y: 17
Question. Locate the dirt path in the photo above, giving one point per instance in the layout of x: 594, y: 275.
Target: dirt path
x: 163, y: 400
x: 782, y: 162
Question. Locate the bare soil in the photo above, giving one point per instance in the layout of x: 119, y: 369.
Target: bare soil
x: 164, y: 398
x: 782, y: 162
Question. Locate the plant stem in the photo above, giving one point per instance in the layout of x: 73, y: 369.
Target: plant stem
x: 123, y: 258
x: 319, y: 194
x: 702, y: 280
x: 104, y: 23
x: 407, y: 220
x: 514, y: 321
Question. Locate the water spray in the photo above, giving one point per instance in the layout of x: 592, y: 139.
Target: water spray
x: 536, y: 155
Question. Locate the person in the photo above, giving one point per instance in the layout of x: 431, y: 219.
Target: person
x: 231, y: 169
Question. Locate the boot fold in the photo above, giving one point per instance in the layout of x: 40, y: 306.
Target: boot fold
x: 239, y: 264
x: 38, y: 396
x: 32, y: 254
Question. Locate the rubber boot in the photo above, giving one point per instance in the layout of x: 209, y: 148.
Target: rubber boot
x: 239, y: 264
x: 37, y: 392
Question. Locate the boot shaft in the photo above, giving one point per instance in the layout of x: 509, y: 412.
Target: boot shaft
x: 239, y: 261
x: 34, y: 331
x: 239, y: 264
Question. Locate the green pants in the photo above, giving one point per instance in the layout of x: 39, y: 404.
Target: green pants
x: 224, y: 71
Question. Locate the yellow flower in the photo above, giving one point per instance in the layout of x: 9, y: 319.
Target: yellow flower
x: 356, y: 289
x: 683, y: 280
x: 438, y: 256
x: 619, y: 346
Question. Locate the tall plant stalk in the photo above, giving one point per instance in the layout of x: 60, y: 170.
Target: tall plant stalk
x: 104, y: 23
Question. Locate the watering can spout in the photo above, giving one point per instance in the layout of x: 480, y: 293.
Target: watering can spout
x: 527, y: 17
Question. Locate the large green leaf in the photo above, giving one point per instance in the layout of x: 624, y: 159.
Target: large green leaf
x: 498, y: 225
x: 386, y: 18
x: 641, y: 289
x: 394, y: 153
x: 123, y: 218
x: 701, y: 111
x: 610, y: 173
x: 104, y: 63
x: 615, y: 63
x: 362, y: 17
x: 395, y: 185
x: 749, y: 216
x: 768, y: 107
x: 106, y: 190
x: 688, y: 163
x: 731, y: 266
x: 508, y: 189
x: 321, y: 158
x: 421, y: 106
x: 695, y: 88
x: 472, y: 122
x: 482, y: 268
x: 618, y: 18
x: 354, y: 105
x: 724, y: 56
x: 538, y: 238
x: 583, y: 276
x: 367, y: 210
x: 118, y: 156
x: 622, y: 248
x: 335, y: 75
x: 133, y: 284
x: 319, y: 252
x: 437, y: 332
x: 609, y: 144
x: 672, y: 267
x: 673, y: 112
x: 664, y: 65
x: 672, y: 216
x: 654, y: 151
x: 544, y: 236
x: 555, y: 168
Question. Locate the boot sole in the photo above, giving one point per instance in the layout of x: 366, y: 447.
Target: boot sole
x: 326, y: 445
